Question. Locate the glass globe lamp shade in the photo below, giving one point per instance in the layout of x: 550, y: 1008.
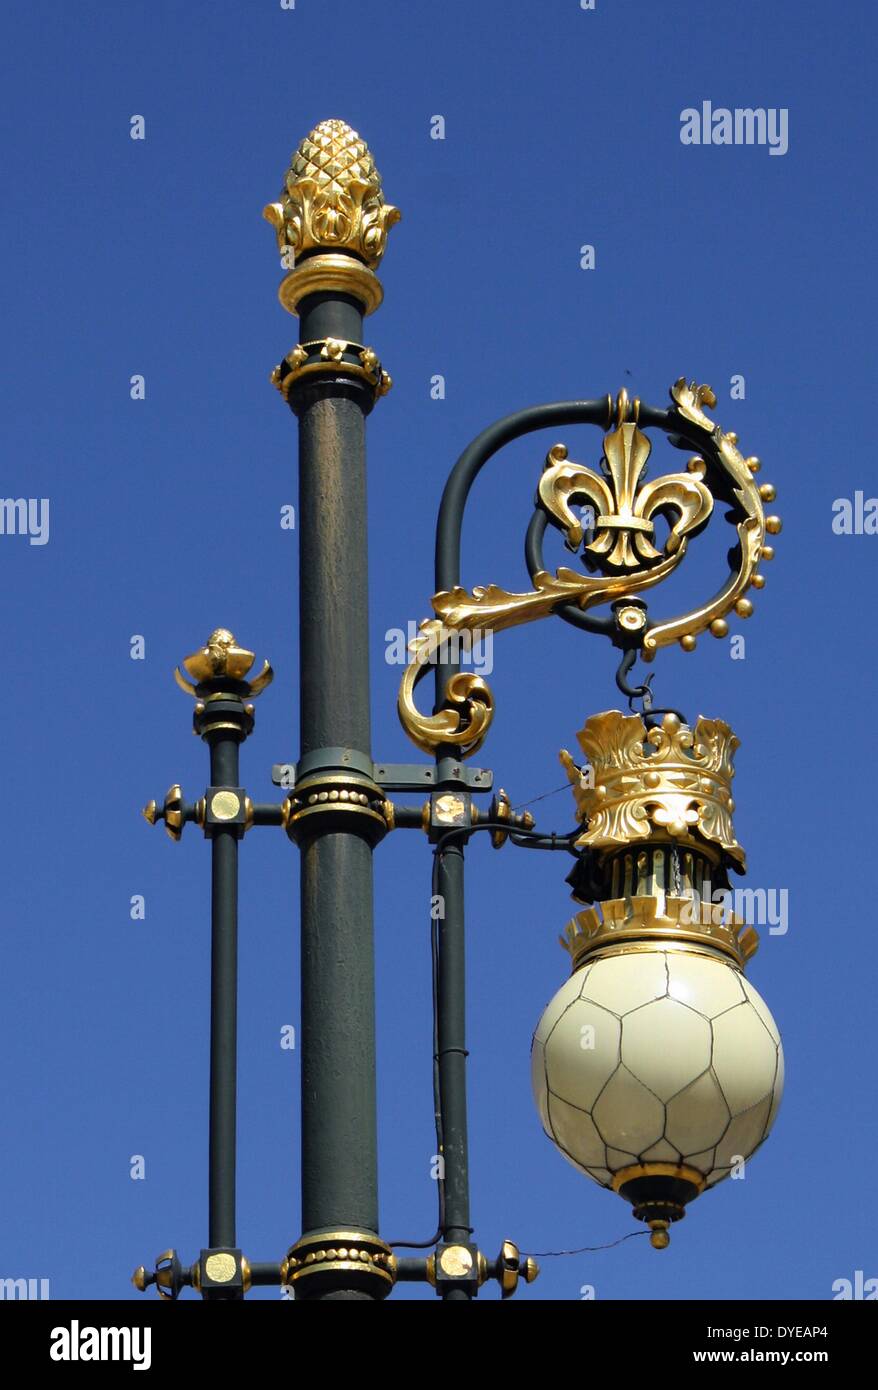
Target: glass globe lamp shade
x: 656, y: 1072
x: 657, y: 1068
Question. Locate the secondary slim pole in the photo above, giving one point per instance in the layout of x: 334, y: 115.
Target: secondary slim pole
x: 223, y: 1003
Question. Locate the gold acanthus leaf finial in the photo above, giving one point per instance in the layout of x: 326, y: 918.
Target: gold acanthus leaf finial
x: 221, y: 658
x: 333, y: 199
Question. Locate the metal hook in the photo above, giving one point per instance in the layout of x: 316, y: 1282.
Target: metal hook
x: 634, y: 692
x: 641, y: 692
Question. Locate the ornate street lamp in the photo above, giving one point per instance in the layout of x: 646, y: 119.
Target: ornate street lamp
x: 657, y: 1068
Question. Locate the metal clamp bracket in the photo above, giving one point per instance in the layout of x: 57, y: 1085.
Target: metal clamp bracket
x: 392, y: 777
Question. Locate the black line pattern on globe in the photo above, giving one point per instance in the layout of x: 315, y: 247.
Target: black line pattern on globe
x: 725, y: 1119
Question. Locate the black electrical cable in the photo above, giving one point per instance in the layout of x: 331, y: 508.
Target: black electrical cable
x: 528, y: 839
x: 437, y: 1100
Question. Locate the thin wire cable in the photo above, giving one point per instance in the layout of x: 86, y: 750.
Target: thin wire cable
x: 565, y: 787
x: 583, y: 1249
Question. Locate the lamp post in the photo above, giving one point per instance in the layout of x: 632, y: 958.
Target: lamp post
x: 333, y: 222
x: 657, y: 1067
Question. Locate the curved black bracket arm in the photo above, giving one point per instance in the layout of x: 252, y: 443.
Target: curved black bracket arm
x: 449, y: 946
x: 449, y: 525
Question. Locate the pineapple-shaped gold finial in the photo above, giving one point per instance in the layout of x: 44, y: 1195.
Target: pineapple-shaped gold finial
x: 332, y: 199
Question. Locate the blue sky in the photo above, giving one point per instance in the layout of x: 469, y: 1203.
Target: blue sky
x: 150, y: 257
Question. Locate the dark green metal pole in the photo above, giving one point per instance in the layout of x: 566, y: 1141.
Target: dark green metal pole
x: 339, y: 1143
x: 223, y: 1003
x: 216, y: 675
x: 334, y: 217
x: 453, y: 1054
x: 451, y: 1021
x: 452, y: 1042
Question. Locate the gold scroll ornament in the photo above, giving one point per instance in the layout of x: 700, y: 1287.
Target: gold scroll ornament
x: 690, y: 401
x: 623, y: 545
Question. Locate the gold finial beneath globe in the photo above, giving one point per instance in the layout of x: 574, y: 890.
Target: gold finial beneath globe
x: 222, y: 659
x: 332, y: 202
x: 660, y: 1238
